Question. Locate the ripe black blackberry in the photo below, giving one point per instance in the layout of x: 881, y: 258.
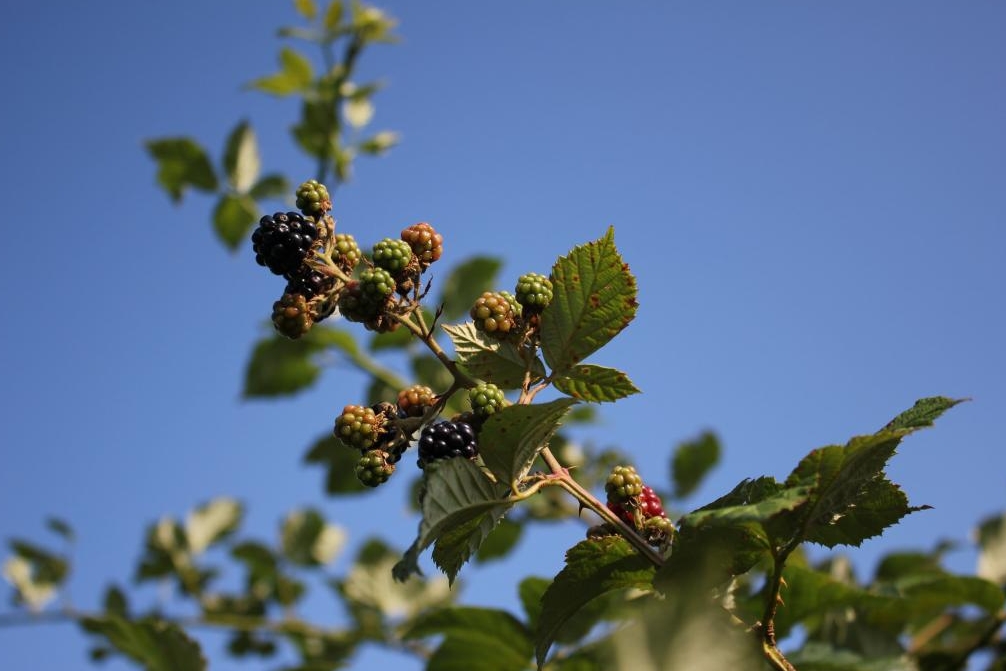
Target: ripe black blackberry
x: 282, y: 241
x: 446, y: 440
x: 309, y: 282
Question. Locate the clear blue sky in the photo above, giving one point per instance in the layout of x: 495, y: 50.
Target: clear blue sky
x: 812, y: 196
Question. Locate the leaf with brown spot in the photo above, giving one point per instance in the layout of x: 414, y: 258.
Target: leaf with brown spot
x: 595, y: 384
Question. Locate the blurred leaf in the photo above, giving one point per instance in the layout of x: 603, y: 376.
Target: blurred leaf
x: 60, y: 527
x: 923, y: 413
x: 475, y: 639
x: 316, y: 131
x: 992, y: 549
x: 815, y: 656
x: 465, y: 283
x: 233, y: 218
x: 333, y: 15
x: 379, y: 143
x: 246, y: 643
x: 47, y: 568
x: 399, y: 339
x: 116, y: 602
x: 595, y: 298
x: 692, y: 461
x: 511, y: 439
x: 371, y: 583
x: 242, y: 161
x: 156, y: 645
x: 164, y: 552
x: 531, y: 591
x: 593, y: 568
x: 343, y: 163
x: 306, y: 8
x: 431, y: 372
x: 270, y: 187
x: 500, y: 542
x: 308, y: 540
x: 319, y: 650
x: 211, y: 522
x: 279, y: 366
x: 29, y: 590
x: 340, y: 462
x: 595, y: 384
x: 455, y: 493
x: 491, y: 360
x: 358, y: 112
x: 181, y: 163
x: 295, y: 75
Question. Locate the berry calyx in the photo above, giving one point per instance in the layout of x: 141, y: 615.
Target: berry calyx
x: 533, y: 291
x: 492, y: 314
x: 486, y: 399
x: 291, y: 316
x: 414, y: 400
x: 446, y: 440
x: 392, y: 255
x: 374, y: 468
x: 281, y: 241
x: 359, y: 427
x: 623, y: 484
x: 313, y: 198
x: 345, y: 252
x: 425, y: 242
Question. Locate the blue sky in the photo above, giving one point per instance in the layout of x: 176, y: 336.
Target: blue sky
x: 811, y: 197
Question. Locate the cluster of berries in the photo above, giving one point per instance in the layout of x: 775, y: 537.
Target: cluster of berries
x: 638, y: 505
x: 318, y: 265
x: 502, y: 315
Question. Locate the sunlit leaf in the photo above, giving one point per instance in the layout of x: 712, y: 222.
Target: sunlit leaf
x: 242, y: 161
x: 211, y: 522
x: 595, y: 384
x: 233, y: 219
x: 511, y: 439
x: 181, y: 163
x: 491, y: 360
x: 691, y: 462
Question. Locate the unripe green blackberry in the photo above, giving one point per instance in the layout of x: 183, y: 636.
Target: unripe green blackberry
x: 533, y: 291
x: 623, y: 484
x: 359, y: 427
x: 345, y: 252
x: 392, y: 255
x: 486, y: 399
x: 517, y: 308
x: 373, y: 469
x: 291, y: 316
x: 426, y: 243
x: 492, y: 314
x: 313, y: 198
x: 658, y: 530
x: 377, y: 286
x: 353, y: 305
x: 414, y: 400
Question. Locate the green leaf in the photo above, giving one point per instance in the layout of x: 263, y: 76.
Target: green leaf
x: 156, y: 645
x: 692, y: 461
x: 456, y: 495
x: 181, y: 163
x: 279, y: 366
x: 923, y: 413
x: 379, y: 143
x: 212, y: 522
x: 815, y: 656
x: 594, y: 299
x: 116, y: 602
x: 306, y: 8
x: 60, y: 527
x: 35, y: 573
x: 333, y: 16
x: 881, y: 504
x: 991, y: 535
x: 760, y: 510
x: 593, y: 568
x: 307, y: 540
x: 475, y: 639
x: 272, y: 186
x: 233, y: 218
x: 429, y: 371
x: 242, y: 161
x: 47, y: 567
x: 491, y: 360
x: 531, y: 591
x: 314, y: 132
x: 370, y: 584
x: 295, y: 75
x: 500, y: 542
x: 466, y: 282
x: 929, y: 594
x: 511, y: 439
x: 340, y: 462
x: 595, y: 384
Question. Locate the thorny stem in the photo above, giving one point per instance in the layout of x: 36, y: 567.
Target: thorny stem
x: 424, y: 335
x: 771, y: 651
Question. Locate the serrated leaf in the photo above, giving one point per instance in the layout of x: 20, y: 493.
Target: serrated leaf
x: 758, y: 511
x: 455, y: 493
x: 212, y: 522
x: 991, y: 536
x: 295, y: 75
x: 692, y: 461
x: 500, y: 542
x: 306, y: 8
x: 333, y: 15
x: 60, y: 527
x: 157, y: 645
x: 923, y: 413
x: 475, y: 639
x: 272, y: 186
x: 880, y: 504
x: 594, y: 299
x: 595, y: 384
x: 593, y: 568
x: 181, y: 163
x: 233, y: 218
x: 242, y: 161
x: 339, y: 462
x: 466, y: 282
x: 279, y: 366
x: 308, y: 540
x: 511, y: 439
x: 489, y: 359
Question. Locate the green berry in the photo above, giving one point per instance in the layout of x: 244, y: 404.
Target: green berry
x: 426, y: 243
x: 345, y: 251
x: 517, y: 308
x: 623, y: 484
x: 359, y: 427
x: 291, y: 316
x: 373, y: 468
x: 353, y: 305
x: 377, y: 286
x: 414, y: 400
x: 313, y: 198
x: 492, y: 314
x: 534, y: 291
x: 486, y: 399
x: 392, y: 255
x: 658, y: 531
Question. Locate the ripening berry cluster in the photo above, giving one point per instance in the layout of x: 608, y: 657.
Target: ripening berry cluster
x: 504, y: 315
x: 638, y: 505
x: 319, y: 265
